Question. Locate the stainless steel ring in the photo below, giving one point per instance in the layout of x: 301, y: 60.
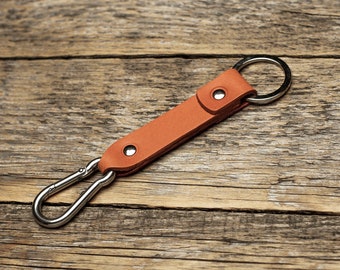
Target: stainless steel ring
x: 268, y: 98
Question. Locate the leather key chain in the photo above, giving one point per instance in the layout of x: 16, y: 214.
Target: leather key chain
x: 212, y: 103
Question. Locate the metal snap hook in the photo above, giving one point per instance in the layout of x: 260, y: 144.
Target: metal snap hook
x: 268, y: 98
x: 50, y: 190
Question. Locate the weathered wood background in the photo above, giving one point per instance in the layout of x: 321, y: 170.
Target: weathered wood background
x: 260, y: 190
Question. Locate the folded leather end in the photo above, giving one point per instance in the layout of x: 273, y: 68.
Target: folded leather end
x: 232, y: 87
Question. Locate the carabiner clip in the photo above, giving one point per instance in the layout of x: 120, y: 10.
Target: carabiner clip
x: 86, y: 196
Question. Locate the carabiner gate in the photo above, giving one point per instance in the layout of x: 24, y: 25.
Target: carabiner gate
x: 86, y: 196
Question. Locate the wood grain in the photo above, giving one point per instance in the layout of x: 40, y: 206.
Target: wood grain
x: 262, y: 158
x: 259, y: 190
x: 171, y: 239
x: 87, y: 28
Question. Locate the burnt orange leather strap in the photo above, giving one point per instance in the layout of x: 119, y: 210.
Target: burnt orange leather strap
x: 179, y: 124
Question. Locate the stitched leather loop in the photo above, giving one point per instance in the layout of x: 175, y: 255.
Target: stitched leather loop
x: 179, y: 124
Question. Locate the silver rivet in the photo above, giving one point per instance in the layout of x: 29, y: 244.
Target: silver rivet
x: 130, y: 150
x: 219, y: 94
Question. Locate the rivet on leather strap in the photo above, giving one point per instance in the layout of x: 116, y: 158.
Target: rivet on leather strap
x: 178, y: 125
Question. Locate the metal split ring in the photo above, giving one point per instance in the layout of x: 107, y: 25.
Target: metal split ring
x: 267, y: 98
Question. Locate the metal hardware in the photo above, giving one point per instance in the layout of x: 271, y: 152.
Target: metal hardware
x: 130, y: 150
x: 268, y: 98
x: 219, y: 94
x: 50, y: 190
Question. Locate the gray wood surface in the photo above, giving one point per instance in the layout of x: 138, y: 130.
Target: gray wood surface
x: 259, y: 190
x: 107, y: 237
x: 71, y: 28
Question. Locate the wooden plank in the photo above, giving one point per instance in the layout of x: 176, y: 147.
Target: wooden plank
x: 259, y: 190
x: 57, y: 115
x: 170, y: 239
x: 73, y: 28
